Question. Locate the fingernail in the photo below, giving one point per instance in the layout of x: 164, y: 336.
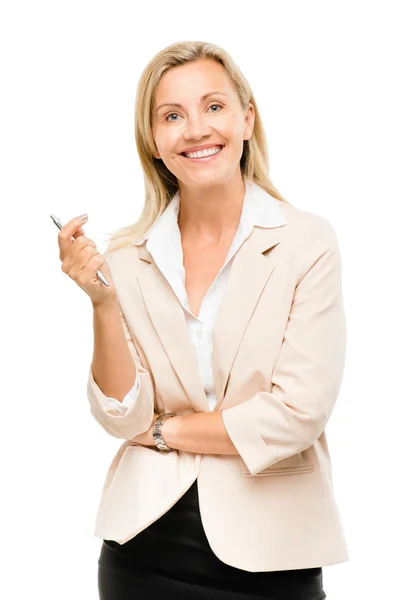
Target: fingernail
x: 83, y: 217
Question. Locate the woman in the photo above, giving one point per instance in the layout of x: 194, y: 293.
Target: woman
x: 228, y: 299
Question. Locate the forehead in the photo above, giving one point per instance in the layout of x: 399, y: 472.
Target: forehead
x: 192, y: 80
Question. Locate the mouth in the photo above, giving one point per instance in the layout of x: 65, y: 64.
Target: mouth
x: 205, y: 158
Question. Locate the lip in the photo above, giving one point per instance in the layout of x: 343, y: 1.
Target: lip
x: 197, y: 148
x: 207, y: 159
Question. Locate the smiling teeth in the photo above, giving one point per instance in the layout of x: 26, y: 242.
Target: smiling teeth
x: 200, y: 154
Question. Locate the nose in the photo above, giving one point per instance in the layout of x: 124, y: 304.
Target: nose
x: 196, y: 128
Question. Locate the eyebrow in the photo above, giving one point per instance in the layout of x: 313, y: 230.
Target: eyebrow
x: 180, y: 105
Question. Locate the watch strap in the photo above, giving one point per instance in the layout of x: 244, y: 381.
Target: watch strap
x: 157, y: 432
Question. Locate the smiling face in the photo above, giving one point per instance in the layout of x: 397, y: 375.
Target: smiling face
x: 188, y: 120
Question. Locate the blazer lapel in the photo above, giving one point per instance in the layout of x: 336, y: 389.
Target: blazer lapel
x: 168, y: 318
x: 251, y: 268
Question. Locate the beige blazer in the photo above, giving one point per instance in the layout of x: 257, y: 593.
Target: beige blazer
x: 278, y: 360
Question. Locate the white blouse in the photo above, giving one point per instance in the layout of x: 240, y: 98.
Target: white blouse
x: 164, y: 243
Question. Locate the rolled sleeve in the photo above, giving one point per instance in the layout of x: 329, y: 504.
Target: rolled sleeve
x: 121, y: 407
x: 306, y: 378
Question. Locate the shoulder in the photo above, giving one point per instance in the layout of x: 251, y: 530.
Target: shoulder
x: 304, y: 227
x: 307, y: 239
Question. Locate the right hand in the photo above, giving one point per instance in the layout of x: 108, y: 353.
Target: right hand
x: 81, y: 260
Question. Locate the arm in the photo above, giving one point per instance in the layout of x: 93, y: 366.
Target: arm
x: 113, y: 371
x: 272, y: 426
x: 202, y: 433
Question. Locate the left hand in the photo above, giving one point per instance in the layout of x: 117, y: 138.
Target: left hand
x: 146, y: 438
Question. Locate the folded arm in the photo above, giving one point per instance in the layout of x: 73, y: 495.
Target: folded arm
x: 271, y: 426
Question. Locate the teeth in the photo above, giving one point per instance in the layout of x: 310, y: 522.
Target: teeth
x: 200, y: 154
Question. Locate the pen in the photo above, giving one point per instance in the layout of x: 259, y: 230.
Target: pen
x: 99, y: 273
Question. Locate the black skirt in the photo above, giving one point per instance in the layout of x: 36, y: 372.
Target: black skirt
x: 172, y: 559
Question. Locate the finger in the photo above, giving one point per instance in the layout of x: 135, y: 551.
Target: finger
x: 72, y: 228
x: 86, y: 267
x: 79, y: 253
x: 77, y: 246
x: 74, y: 269
x: 79, y: 232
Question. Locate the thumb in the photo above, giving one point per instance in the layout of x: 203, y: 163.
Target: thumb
x: 79, y: 232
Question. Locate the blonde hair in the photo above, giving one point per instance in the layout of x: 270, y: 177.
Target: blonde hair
x: 160, y: 184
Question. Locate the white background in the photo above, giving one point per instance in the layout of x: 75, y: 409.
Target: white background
x: 325, y: 76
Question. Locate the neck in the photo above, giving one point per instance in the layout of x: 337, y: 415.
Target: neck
x: 209, y: 214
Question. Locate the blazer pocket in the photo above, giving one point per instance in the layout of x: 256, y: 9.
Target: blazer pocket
x: 272, y: 471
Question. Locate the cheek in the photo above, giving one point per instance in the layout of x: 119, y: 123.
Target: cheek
x: 167, y: 142
x: 231, y: 127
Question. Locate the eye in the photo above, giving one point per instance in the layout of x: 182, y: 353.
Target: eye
x: 170, y: 114
x: 219, y: 106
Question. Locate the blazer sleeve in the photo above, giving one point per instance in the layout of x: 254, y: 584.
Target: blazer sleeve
x: 306, y: 378
x: 138, y: 412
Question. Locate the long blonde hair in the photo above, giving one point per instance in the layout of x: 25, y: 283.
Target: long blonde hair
x: 159, y: 183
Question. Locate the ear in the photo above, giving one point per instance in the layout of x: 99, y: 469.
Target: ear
x: 249, y: 121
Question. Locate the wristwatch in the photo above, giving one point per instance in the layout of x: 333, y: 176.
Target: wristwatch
x: 157, y: 436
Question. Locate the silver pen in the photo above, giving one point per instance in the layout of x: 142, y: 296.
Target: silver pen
x: 98, y: 273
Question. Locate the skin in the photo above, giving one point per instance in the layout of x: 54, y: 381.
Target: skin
x: 211, y: 195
